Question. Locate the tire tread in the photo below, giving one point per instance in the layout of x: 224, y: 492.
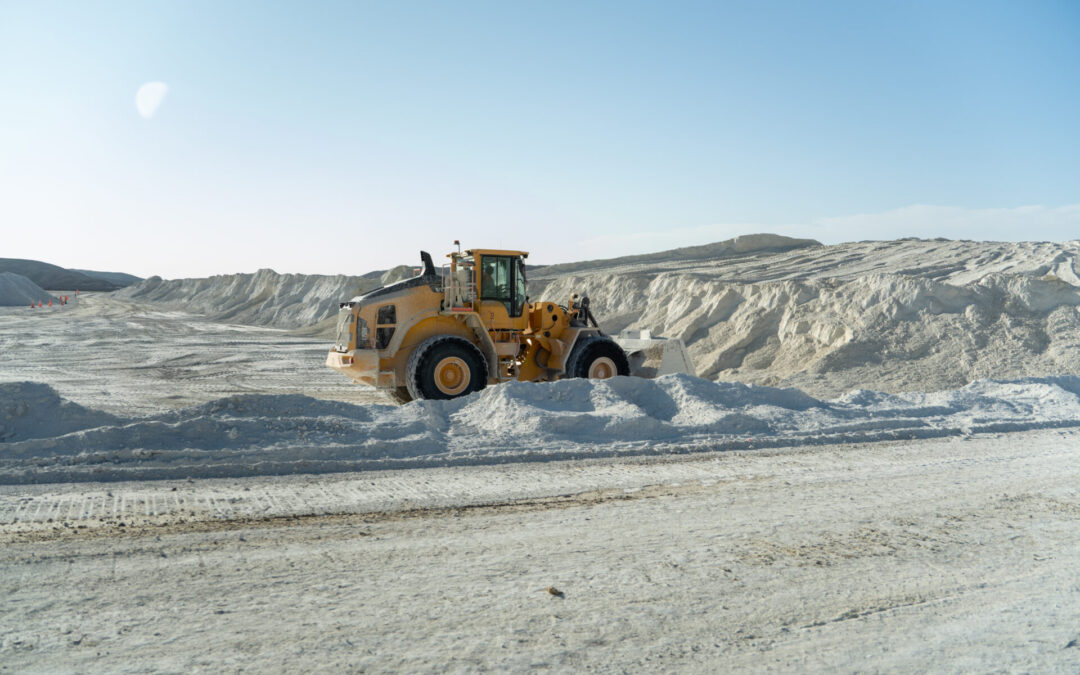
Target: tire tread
x: 416, y: 361
x: 577, y: 365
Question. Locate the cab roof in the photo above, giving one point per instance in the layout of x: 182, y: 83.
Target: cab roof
x: 495, y: 251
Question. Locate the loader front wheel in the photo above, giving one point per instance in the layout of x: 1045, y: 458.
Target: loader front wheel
x: 597, y: 358
x: 445, y: 367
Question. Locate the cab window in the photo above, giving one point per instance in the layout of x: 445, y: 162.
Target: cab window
x: 495, y: 278
x: 500, y: 279
x: 519, y: 285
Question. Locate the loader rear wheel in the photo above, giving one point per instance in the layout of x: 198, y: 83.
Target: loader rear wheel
x: 445, y: 367
x: 597, y: 358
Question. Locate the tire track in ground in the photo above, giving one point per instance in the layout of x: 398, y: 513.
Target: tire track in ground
x: 68, y: 509
x: 59, y: 508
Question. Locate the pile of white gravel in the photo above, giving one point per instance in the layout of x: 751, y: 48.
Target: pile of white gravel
x: 16, y: 290
x: 45, y: 438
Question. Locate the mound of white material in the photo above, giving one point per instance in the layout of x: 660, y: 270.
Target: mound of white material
x: 756, y: 244
x: 33, y: 410
x: 248, y: 435
x: 957, y: 262
x: 16, y: 290
x: 396, y: 274
x: 834, y: 327
x: 265, y: 298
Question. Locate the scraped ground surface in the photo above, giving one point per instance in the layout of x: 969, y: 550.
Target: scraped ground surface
x: 943, y: 555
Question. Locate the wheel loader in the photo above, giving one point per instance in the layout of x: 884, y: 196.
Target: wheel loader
x: 444, y: 335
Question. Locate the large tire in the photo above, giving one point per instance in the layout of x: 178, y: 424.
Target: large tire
x: 445, y: 367
x: 597, y: 357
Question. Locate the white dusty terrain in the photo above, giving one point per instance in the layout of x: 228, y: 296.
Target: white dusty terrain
x: 944, y: 555
x: 123, y: 357
x: 182, y: 491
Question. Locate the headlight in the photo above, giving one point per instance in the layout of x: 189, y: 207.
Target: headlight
x: 361, y: 334
x: 344, y: 329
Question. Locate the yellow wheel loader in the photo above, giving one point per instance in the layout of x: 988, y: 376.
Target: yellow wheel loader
x: 443, y: 335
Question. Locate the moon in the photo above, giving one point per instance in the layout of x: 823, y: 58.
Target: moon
x: 149, y: 98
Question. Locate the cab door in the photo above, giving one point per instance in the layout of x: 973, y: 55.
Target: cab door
x: 502, y: 292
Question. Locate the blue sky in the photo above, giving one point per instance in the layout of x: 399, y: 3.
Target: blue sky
x: 342, y: 137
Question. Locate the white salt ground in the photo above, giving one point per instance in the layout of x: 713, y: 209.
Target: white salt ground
x: 936, y: 555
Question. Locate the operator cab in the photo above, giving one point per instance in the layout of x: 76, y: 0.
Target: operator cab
x: 492, y: 283
x: 502, y: 280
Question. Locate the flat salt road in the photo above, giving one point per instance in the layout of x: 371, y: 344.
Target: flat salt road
x: 955, y: 554
x: 133, y: 359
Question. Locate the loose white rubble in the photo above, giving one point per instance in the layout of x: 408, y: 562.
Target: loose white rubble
x: 47, y: 438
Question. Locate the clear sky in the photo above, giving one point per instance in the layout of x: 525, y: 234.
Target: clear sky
x: 342, y: 137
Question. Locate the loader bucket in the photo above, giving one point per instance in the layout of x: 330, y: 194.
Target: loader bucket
x: 652, y: 356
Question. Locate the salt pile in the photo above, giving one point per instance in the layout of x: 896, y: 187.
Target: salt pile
x: 396, y: 274
x: 16, y: 290
x: 570, y: 419
x: 896, y: 316
x: 906, y: 315
x: 33, y: 410
x: 265, y: 298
